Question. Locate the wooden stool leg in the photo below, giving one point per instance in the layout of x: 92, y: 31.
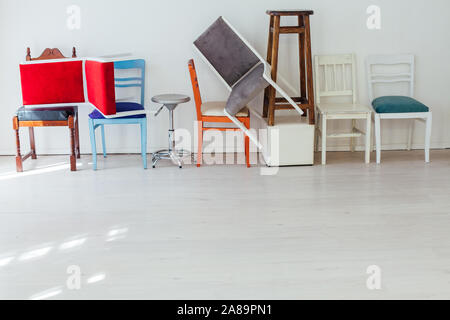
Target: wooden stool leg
x: 272, y: 92
x: 19, y: 166
x: 32, y: 143
x: 309, y: 70
x: 301, y: 40
x: 73, y: 160
x: 269, y: 60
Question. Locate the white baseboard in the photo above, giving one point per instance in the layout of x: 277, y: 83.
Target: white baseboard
x: 341, y: 148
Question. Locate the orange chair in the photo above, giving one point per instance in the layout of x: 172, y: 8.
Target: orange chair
x: 212, y: 112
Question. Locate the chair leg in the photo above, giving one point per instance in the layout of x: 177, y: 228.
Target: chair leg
x: 429, y: 125
x: 353, y: 140
x: 144, y: 141
x: 247, y: 145
x: 200, y: 144
x: 316, y: 134
x: 102, y: 127
x: 378, y: 137
x: 93, y: 144
x: 368, y: 137
x: 410, y: 134
x: 77, y: 138
x: 324, y: 139
x: 32, y: 143
x: 19, y: 164
x: 73, y: 158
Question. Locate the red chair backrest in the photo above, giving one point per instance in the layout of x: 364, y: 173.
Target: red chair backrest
x: 101, y: 86
x: 52, y: 82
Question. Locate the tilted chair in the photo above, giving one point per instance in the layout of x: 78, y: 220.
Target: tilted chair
x: 212, y: 112
x: 97, y: 119
x: 398, y: 106
x: 38, y: 112
x: 241, y: 68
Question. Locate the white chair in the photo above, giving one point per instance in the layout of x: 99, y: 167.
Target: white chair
x: 336, y: 77
x: 396, y: 107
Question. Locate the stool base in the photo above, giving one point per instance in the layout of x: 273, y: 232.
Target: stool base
x: 175, y: 156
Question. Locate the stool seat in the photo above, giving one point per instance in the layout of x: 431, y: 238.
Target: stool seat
x: 171, y: 99
x: 289, y: 12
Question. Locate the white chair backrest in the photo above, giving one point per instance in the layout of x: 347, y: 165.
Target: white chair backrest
x: 390, y: 61
x: 332, y: 76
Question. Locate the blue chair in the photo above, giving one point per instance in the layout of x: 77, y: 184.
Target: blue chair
x: 96, y: 119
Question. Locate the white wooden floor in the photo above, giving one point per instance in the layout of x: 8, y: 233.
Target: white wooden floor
x: 226, y: 232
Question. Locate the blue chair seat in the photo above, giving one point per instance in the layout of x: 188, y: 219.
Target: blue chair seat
x: 121, y: 107
x: 398, y: 104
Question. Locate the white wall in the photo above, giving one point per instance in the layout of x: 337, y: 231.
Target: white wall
x: 162, y: 32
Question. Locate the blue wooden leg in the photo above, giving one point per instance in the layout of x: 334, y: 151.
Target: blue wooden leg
x: 144, y: 141
x: 93, y: 144
x: 103, y: 140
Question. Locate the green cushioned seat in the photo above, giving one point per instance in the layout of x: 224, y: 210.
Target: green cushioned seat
x: 398, y: 104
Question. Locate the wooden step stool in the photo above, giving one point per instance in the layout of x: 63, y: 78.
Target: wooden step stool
x: 306, y: 99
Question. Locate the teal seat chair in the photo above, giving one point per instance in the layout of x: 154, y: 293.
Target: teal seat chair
x: 97, y: 120
x: 396, y: 106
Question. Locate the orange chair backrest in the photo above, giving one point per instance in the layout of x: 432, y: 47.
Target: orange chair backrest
x: 196, y: 89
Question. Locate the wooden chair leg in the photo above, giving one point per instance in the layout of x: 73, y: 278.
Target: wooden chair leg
x: 73, y: 158
x: 77, y: 138
x: 32, y: 143
x: 200, y: 144
x: 19, y: 165
x: 247, y: 146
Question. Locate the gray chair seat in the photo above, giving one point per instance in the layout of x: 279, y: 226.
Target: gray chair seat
x: 46, y: 114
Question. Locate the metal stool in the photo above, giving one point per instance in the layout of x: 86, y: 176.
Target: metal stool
x: 170, y: 101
